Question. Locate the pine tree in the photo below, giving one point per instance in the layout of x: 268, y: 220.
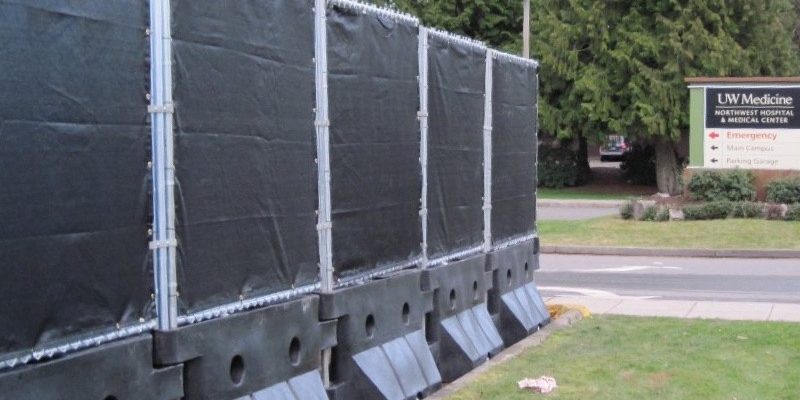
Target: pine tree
x: 618, y: 66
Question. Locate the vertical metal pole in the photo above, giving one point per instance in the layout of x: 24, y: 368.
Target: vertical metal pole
x: 323, y: 147
x: 322, y: 124
x: 161, y: 108
x: 423, y: 130
x: 487, y: 155
x: 526, y: 28
x: 536, y: 162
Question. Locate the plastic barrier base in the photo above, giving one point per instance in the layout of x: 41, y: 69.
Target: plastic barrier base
x: 304, y: 387
x: 381, y: 351
x: 253, y: 353
x: 121, y: 370
x: 517, y: 307
x: 460, y: 330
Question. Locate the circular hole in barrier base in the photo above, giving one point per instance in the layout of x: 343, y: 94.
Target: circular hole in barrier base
x: 406, y: 313
x: 452, y: 299
x: 369, y: 326
x: 237, y: 369
x: 294, y: 351
x: 475, y: 290
x: 508, y: 277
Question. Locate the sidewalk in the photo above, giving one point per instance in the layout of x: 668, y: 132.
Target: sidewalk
x: 749, y: 311
x: 574, y: 203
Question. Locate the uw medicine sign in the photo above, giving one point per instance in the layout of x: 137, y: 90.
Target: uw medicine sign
x: 749, y: 123
x: 754, y: 128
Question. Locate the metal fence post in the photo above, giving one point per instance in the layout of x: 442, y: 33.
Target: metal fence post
x: 322, y: 124
x: 536, y: 163
x: 164, y: 242
x: 423, y: 130
x: 487, y: 155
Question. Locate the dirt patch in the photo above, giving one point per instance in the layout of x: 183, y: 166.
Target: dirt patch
x: 627, y: 375
x: 658, y: 380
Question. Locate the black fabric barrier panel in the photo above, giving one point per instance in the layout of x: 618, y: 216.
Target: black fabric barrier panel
x: 375, y: 173
x: 74, y: 145
x: 455, y: 146
x: 245, y: 148
x: 513, y: 149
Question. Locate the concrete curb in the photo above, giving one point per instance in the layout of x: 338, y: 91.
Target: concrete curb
x: 579, y: 203
x: 656, y: 252
x: 563, y: 322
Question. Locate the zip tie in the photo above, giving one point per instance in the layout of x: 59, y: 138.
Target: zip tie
x: 423, y: 212
x: 422, y: 114
x: 160, y: 244
x: 487, y: 208
x: 321, y: 124
x: 167, y: 108
x: 324, y: 226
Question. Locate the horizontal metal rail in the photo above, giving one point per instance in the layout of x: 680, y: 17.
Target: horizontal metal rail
x: 58, y: 349
x: 377, y: 273
x: 376, y: 10
x: 246, y: 304
x: 499, y: 55
x: 514, y: 241
x: 456, y: 255
x: 452, y: 37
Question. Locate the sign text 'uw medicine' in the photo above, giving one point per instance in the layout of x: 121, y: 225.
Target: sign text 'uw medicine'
x: 752, y: 128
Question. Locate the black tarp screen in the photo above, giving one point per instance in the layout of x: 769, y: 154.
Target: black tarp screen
x: 375, y: 173
x: 245, y: 148
x: 514, y: 146
x: 455, y: 146
x: 74, y: 146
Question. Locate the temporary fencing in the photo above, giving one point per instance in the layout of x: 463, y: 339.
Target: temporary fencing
x: 283, y: 199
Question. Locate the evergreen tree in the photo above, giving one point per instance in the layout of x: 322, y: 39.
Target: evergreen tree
x: 618, y: 66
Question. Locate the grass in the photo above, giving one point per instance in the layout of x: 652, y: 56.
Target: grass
x: 716, y: 234
x: 613, y: 357
x: 579, y: 194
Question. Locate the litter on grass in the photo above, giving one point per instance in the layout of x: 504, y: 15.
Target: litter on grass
x: 542, y: 384
x: 557, y: 310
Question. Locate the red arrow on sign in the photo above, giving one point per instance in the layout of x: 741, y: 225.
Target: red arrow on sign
x: 713, y: 135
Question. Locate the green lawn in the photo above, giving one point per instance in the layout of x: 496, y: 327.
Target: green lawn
x: 716, y: 234
x: 621, y: 358
x: 579, y: 194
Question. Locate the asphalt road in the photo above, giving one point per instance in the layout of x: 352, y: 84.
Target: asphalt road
x: 720, y: 279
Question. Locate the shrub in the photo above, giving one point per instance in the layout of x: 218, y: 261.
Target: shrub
x: 655, y: 214
x: 746, y: 209
x: 711, y: 210
x: 662, y: 215
x: 736, y: 185
x: 559, y: 167
x: 626, y: 209
x: 794, y: 213
x: 784, y: 191
x: 639, y: 165
x: 650, y: 213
